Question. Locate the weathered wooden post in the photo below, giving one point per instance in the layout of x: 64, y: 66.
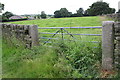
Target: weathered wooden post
x: 107, y: 45
x: 33, y: 32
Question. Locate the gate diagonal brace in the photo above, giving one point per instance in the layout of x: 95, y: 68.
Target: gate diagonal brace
x: 52, y: 36
x: 61, y: 30
x: 69, y: 34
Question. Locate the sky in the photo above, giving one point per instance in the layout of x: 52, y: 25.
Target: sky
x: 20, y: 7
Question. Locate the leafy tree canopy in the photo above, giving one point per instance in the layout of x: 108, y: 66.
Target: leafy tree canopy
x: 99, y: 8
x: 7, y: 15
x: 1, y: 7
x: 80, y: 12
x: 118, y: 11
x: 43, y: 15
x: 63, y: 12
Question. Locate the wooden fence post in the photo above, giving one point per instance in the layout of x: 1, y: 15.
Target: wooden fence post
x: 33, y: 32
x: 107, y: 45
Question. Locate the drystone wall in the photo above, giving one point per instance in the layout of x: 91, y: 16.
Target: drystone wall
x: 117, y: 44
x: 28, y: 34
x: 115, y: 17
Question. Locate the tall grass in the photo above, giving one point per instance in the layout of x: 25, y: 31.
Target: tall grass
x: 72, y: 58
x: 82, y: 56
x: 37, y: 62
x: 62, y: 60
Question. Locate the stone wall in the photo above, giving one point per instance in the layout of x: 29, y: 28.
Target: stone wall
x: 115, y: 17
x: 28, y: 34
x: 117, y: 45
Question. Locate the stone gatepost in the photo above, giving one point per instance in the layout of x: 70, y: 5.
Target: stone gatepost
x: 107, y: 45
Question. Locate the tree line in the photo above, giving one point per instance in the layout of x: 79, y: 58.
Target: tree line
x: 97, y: 8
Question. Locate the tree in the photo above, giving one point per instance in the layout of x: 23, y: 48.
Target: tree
x: 80, y: 12
x: 86, y: 12
x: 118, y: 11
x: 113, y: 10
x: 74, y: 15
x: 38, y: 16
x: 1, y: 7
x: 7, y: 15
x: 57, y: 14
x: 43, y: 15
x: 63, y: 12
x: 100, y: 8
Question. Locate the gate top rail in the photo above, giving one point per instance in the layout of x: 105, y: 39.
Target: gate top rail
x: 70, y: 27
x: 73, y: 34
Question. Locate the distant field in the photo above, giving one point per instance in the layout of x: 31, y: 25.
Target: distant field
x: 68, y: 22
x: 64, y: 22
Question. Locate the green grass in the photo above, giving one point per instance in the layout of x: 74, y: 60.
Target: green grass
x: 64, y: 22
x: 67, y: 22
x: 37, y: 62
x: 0, y: 54
x: 65, y: 59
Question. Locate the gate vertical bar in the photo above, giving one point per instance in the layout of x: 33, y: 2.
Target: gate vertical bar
x: 107, y: 45
x: 62, y: 33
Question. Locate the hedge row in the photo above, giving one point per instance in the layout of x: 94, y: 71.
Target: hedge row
x: 11, y: 20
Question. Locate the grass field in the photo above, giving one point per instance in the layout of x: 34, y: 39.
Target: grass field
x: 64, y: 60
x: 64, y: 22
x: 68, y: 22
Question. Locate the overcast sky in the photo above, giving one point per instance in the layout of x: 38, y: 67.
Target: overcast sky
x: 49, y: 6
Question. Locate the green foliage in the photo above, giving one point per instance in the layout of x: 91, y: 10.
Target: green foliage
x: 80, y: 12
x: 83, y: 57
x: 37, y: 62
x: 63, y: 12
x: 64, y: 60
x: 7, y: 15
x: 7, y: 20
x: 99, y: 8
x: 2, y: 6
x: 86, y: 12
x: 118, y: 11
x: 64, y: 22
x: 43, y: 15
x: 57, y: 14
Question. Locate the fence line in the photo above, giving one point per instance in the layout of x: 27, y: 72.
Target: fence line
x: 73, y: 34
x: 97, y: 27
x: 110, y: 38
x: 61, y: 29
x: 70, y: 40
